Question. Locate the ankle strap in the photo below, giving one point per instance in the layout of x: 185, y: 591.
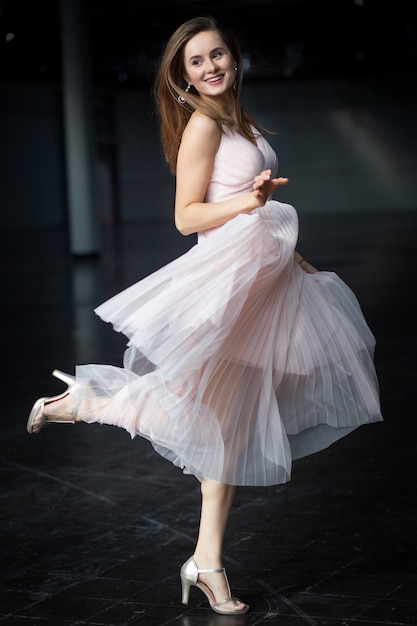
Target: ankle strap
x: 211, y: 571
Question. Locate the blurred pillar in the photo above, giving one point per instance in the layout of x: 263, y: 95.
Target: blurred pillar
x: 79, y: 129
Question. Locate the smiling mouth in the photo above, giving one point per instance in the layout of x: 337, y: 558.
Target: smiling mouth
x: 214, y: 79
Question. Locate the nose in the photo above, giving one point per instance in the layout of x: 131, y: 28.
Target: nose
x: 211, y: 65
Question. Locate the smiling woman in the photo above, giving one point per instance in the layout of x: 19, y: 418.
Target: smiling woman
x: 209, y: 65
x: 241, y: 355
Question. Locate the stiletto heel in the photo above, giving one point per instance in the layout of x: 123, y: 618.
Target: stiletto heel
x: 185, y: 587
x: 39, y: 406
x: 66, y: 378
x: 189, y: 578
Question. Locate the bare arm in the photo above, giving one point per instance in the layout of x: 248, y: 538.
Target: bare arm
x: 199, y: 144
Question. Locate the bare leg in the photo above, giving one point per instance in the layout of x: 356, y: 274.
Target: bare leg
x: 217, y: 499
x: 216, y: 503
x: 63, y: 409
x: 85, y: 400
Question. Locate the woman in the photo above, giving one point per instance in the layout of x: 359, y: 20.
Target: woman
x: 238, y: 361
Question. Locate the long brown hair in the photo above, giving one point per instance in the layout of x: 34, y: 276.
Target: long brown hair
x: 169, y: 86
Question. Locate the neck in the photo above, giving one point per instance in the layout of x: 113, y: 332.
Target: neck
x: 226, y: 102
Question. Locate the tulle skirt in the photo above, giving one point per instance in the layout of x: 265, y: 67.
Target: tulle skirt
x: 238, y: 361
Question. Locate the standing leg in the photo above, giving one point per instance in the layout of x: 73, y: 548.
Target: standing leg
x: 217, y: 499
x: 216, y: 502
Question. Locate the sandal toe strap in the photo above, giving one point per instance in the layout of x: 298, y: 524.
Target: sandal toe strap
x: 226, y: 600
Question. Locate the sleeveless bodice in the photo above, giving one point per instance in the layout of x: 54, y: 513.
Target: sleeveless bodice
x: 236, y: 164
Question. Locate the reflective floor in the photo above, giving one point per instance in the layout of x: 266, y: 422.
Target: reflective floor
x: 95, y: 526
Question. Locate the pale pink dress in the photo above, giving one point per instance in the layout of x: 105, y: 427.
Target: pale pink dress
x: 238, y: 361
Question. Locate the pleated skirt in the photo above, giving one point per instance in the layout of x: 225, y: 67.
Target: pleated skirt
x: 237, y: 361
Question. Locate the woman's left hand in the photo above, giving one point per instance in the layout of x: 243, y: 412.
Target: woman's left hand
x: 307, y: 267
x: 304, y: 264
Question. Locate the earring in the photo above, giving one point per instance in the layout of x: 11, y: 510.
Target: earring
x: 234, y: 84
x: 181, y: 99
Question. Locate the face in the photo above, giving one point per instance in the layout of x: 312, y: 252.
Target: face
x: 209, y: 65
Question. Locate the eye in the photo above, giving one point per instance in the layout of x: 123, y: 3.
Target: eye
x: 217, y: 55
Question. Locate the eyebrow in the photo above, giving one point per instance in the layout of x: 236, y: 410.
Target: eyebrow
x: 197, y: 56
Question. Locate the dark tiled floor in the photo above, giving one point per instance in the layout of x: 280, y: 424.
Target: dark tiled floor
x: 94, y: 526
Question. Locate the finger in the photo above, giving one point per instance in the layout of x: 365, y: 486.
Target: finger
x: 264, y: 175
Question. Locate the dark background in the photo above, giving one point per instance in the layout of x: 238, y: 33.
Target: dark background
x: 279, y: 38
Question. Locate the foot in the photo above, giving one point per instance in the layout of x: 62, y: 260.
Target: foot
x: 217, y: 588
x: 61, y: 410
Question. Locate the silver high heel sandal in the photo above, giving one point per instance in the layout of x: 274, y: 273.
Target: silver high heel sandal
x: 39, y: 406
x: 189, y: 578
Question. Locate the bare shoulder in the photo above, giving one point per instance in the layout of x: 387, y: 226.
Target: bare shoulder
x: 202, y: 129
x: 202, y: 122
